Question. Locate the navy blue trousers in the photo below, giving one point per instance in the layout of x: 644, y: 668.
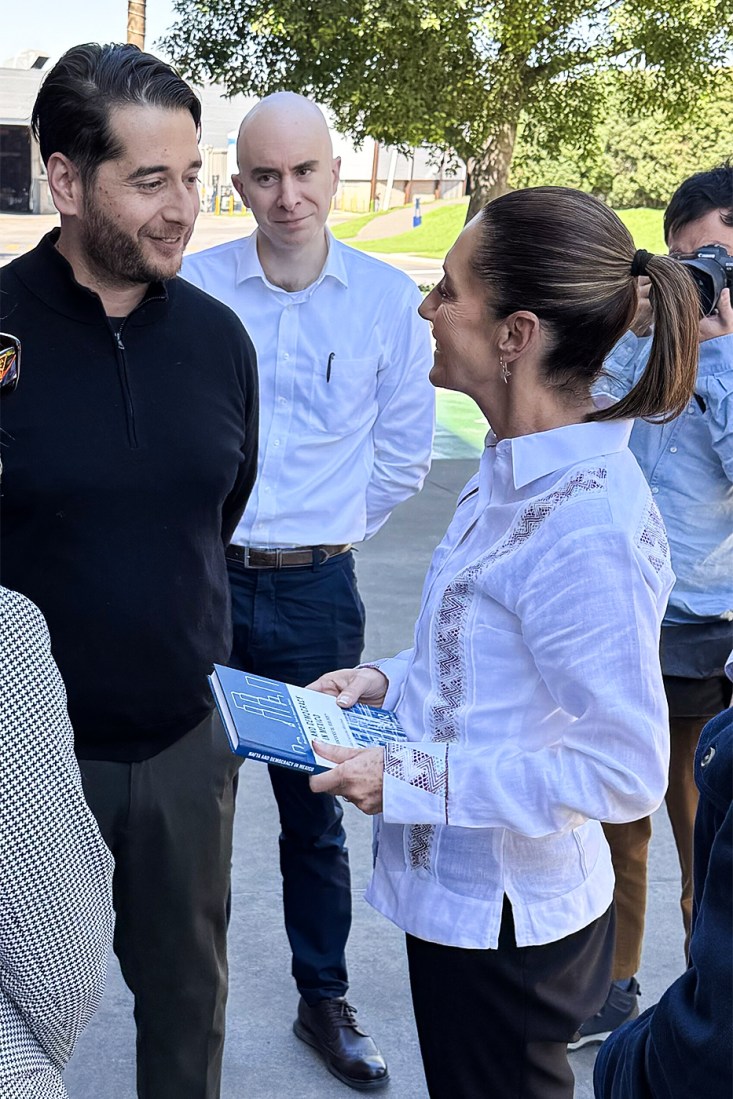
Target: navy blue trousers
x: 295, y: 624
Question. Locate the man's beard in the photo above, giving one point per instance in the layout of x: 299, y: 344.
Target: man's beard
x: 116, y: 256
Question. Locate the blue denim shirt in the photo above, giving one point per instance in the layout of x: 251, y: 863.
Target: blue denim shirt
x: 689, y: 466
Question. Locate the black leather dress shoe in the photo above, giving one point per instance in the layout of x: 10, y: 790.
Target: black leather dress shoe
x: 330, y: 1026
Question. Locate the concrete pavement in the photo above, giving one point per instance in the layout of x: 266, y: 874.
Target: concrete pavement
x: 263, y: 1059
x: 20, y: 232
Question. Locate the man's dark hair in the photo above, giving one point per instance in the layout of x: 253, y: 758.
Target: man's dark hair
x: 72, y: 109
x: 698, y: 196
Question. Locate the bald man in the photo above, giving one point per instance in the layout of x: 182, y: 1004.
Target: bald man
x: 346, y: 432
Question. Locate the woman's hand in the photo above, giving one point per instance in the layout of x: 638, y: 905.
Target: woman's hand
x: 350, y: 685
x: 358, y: 777
x: 360, y: 771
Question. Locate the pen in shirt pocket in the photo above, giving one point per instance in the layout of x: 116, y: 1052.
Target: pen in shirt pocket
x: 329, y: 364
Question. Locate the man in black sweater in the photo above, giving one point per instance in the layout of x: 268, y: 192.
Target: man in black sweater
x: 129, y: 450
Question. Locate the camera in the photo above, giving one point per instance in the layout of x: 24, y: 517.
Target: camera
x: 712, y: 270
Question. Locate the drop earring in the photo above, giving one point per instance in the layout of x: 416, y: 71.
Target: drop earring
x: 505, y: 371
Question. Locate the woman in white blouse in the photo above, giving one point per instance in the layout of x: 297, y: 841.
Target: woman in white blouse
x: 532, y: 695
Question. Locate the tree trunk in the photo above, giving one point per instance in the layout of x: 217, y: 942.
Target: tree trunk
x: 136, y: 23
x: 488, y: 172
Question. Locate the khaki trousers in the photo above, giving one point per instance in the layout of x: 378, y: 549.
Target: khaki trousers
x: 629, y: 845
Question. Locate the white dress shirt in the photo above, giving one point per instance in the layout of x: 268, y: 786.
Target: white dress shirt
x: 347, y: 411
x: 535, y: 692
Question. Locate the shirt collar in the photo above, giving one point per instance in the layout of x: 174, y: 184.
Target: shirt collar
x: 535, y: 456
x: 249, y: 266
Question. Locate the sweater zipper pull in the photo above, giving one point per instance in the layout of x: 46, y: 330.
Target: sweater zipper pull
x: 120, y: 344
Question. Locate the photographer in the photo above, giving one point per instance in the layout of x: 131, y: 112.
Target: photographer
x: 689, y: 466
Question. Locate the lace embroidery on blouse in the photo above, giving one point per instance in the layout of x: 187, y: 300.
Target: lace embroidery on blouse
x: 450, y: 623
x: 409, y: 763
x: 651, y: 538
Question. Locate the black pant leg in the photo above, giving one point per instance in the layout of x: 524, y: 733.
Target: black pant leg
x: 170, y: 822
x: 494, y: 1024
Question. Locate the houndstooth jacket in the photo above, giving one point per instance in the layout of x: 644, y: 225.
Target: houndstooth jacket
x: 55, y: 870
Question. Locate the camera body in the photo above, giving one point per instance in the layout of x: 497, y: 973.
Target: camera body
x: 712, y: 270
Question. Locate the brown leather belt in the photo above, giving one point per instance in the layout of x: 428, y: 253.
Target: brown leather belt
x: 253, y: 558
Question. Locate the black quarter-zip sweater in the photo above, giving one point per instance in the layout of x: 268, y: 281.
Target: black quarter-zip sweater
x: 128, y: 458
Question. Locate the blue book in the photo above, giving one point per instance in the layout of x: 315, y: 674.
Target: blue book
x: 277, y: 723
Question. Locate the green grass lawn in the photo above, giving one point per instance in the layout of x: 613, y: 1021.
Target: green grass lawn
x: 345, y: 230
x: 440, y: 228
x: 433, y: 238
x: 645, y: 227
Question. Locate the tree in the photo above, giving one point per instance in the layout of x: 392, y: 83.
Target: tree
x: 636, y: 158
x: 459, y: 74
x: 136, y: 23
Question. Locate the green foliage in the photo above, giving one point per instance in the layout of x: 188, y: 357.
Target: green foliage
x: 460, y: 74
x: 633, y: 157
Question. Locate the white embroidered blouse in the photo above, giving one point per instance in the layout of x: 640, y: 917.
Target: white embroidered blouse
x: 534, y: 691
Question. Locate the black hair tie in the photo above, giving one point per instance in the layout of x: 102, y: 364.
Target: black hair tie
x: 640, y: 262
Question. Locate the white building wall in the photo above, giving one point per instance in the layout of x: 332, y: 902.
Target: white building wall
x: 221, y: 117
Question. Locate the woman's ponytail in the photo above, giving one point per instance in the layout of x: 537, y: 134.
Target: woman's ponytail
x: 668, y: 381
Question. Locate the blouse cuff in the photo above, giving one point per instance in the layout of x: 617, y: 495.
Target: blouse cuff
x: 416, y: 783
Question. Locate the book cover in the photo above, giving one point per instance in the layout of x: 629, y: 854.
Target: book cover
x: 276, y: 722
